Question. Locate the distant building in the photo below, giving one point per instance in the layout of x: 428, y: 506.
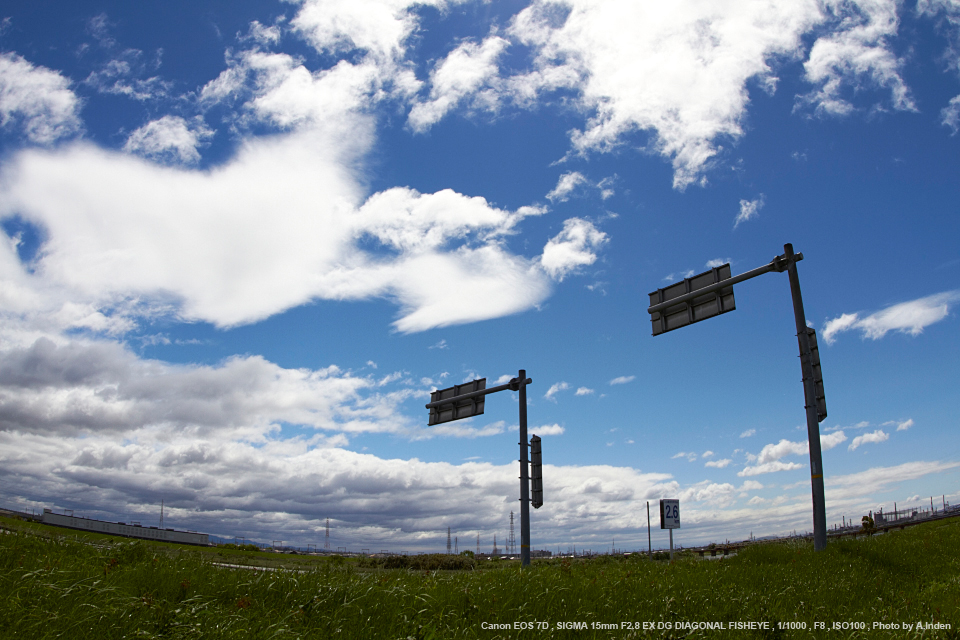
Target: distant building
x: 124, y: 529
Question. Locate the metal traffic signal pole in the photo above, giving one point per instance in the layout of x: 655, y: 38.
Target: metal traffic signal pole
x: 810, y: 404
x: 467, y: 400
x: 524, y: 476
x: 693, y: 300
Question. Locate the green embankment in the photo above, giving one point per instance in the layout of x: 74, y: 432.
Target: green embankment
x: 54, y: 584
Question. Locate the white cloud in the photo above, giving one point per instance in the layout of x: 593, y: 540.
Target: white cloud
x: 748, y: 433
x: 950, y: 115
x: 718, y: 464
x: 875, y: 480
x: 101, y: 387
x: 749, y: 209
x: 584, y: 391
x: 707, y: 454
x: 715, y: 494
x: 548, y: 430
x: 906, y: 424
x: 716, y: 262
x: 565, y: 185
x: 831, y: 440
x: 554, y: 389
x: 622, y: 380
x: 691, y: 456
x: 378, y: 28
x: 783, y: 448
x: 245, y: 252
x: 463, y: 73
x: 261, y: 34
x: 907, y: 317
x: 576, y: 246
x: 170, y: 137
x: 855, y: 52
x: 689, y: 64
x: 873, y: 437
x: 769, y: 467
x: 36, y: 100
x: 768, y: 461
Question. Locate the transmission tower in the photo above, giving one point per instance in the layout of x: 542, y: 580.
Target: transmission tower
x: 495, y: 551
x: 326, y: 538
x: 448, y: 540
x: 511, y: 541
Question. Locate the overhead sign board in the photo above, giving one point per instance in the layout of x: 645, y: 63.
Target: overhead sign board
x: 699, y: 308
x: 817, y: 374
x: 670, y: 514
x: 460, y: 409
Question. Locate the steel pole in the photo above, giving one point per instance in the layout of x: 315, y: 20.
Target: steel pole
x: 524, y: 476
x: 810, y: 404
x: 649, y: 542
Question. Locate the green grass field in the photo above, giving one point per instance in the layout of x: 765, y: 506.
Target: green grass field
x: 57, y: 584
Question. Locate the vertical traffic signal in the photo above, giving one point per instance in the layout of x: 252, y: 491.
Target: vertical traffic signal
x: 536, y: 472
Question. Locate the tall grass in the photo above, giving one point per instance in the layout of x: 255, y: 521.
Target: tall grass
x: 61, y: 587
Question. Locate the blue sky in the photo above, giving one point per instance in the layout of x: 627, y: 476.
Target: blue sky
x: 245, y: 240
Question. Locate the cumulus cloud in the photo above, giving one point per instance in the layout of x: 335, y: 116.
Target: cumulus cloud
x: 378, y: 28
x: 548, y: 430
x: 718, y: 464
x: 169, y: 138
x: 289, y: 488
x: 80, y: 388
x: 36, y: 101
x: 901, y: 426
x: 748, y: 433
x: 856, y: 53
x: 584, y: 391
x: 907, y: 317
x: 686, y: 78
x: 749, y: 209
x: 873, y: 437
x: 565, y: 186
x: 622, y: 380
x: 769, y: 458
x: 769, y: 467
x: 555, y: 389
x: 576, y: 246
x: 114, y: 221
x: 950, y: 115
x: 462, y: 74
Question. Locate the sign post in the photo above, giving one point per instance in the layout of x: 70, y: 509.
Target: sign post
x: 467, y: 400
x: 670, y: 519
x: 711, y: 293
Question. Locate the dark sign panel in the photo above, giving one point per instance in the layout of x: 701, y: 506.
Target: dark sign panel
x: 699, y: 308
x: 536, y: 471
x: 817, y: 375
x: 462, y: 408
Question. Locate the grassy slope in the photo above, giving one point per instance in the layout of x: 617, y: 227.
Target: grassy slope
x: 62, y: 586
